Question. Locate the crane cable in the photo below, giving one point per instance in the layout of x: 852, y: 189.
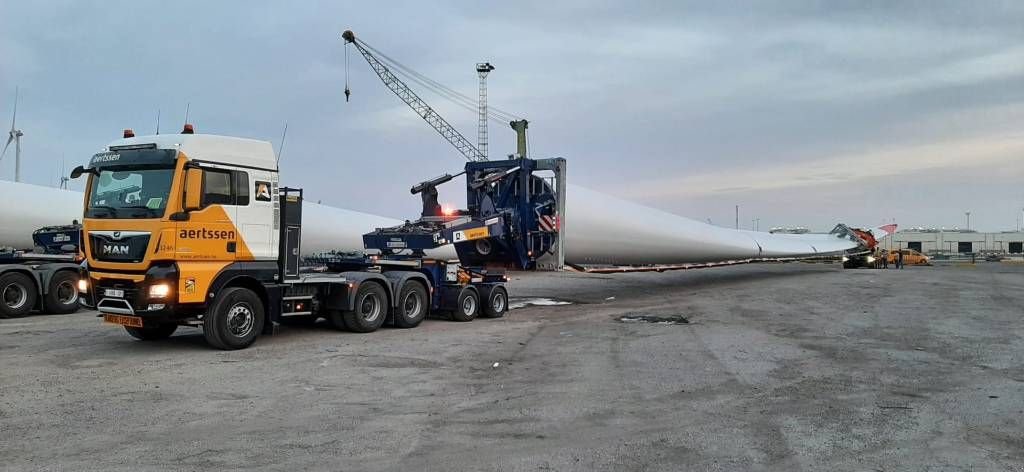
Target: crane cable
x: 434, y: 85
x: 494, y: 113
x: 348, y: 92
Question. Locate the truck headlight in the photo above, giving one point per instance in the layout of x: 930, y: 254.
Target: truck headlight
x: 846, y: 259
x: 871, y: 259
x: 160, y: 290
x: 83, y: 285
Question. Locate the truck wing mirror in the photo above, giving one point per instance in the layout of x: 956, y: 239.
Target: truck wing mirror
x: 193, y: 189
x: 78, y: 171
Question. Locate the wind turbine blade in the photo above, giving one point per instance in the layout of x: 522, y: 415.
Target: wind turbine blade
x: 10, y: 138
x: 14, y: 118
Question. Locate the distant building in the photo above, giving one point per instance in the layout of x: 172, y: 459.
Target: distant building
x: 955, y: 241
x: 789, y: 230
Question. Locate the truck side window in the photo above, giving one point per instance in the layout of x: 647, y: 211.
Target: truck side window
x: 241, y: 179
x: 217, y: 187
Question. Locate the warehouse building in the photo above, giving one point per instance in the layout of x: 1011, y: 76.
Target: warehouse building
x: 942, y: 241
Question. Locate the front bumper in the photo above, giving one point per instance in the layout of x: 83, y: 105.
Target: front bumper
x: 113, y: 294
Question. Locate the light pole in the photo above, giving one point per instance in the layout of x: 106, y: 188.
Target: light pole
x: 968, y: 220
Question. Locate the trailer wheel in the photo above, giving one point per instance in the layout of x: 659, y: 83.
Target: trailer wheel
x: 371, y: 309
x: 62, y: 293
x: 467, y: 306
x: 17, y: 295
x: 234, y: 320
x: 152, y: 333
x: 412, y: 305
x: 497, y: 303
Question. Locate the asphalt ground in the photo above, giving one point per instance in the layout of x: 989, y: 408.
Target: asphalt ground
x: 761, y: 367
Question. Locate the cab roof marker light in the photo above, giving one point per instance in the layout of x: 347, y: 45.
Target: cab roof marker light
x: 128, y: 133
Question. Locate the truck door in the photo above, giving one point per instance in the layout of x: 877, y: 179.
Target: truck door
x: 210, y: 233
x: 208, y: 240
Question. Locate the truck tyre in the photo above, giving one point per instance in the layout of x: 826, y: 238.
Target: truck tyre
x: 467, y: 306
x: 234, y: 320
x: 62, y: 293
x: 412, y: 305
x: 336, y: 320
x: 371, y: 309
x: 17, y: 295
x: 152, y: 333
x: 497, y: 303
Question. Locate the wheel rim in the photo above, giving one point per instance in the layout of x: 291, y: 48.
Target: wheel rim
x: 411, y: 305
x: 241, y: 320
x: 369, y: 307
x: 15, y: 296
x: 498, y: 304
x: 469, y: 305
x: 67, y: 293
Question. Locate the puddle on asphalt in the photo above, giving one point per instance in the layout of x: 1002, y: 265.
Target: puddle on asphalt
x: 525, y: 302
x: 654, y: 319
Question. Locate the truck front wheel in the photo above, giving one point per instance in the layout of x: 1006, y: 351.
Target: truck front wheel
x: 370, y: 310
x: 152, y: 333
x: 17, y: 295
x: 234, y: 320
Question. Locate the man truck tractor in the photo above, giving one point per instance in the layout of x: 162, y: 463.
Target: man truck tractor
x: 194, y: 230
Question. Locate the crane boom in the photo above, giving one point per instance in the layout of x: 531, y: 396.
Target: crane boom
x: 425, y: 111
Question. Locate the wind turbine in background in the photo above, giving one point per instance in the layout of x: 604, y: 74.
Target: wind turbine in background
x: 62, y: 174
x: 14, y: 135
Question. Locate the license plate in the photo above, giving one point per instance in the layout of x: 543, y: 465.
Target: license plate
x: 113, y: 293
x: 133, y: 321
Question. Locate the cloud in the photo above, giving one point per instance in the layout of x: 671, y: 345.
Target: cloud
x: 992, y: 151
x: 723, y: 100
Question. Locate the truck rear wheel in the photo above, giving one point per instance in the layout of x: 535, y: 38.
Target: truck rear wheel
x: 370, y: 310
x: 17, y: 295
x: 467, y: 306
x: 234, y: 320
x: 412, y: 305
x: 152, y: 333
x: 497, y: 303
x: 62, y: 293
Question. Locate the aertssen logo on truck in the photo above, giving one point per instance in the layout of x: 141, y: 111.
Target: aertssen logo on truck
x: 204, y: 233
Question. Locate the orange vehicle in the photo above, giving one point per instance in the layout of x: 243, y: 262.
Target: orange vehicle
x: 868, y: 249
x: 910, y: 257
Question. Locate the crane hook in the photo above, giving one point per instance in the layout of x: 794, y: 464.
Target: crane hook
x: 347, y: 91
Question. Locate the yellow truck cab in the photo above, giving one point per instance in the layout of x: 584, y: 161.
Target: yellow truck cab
x: 193, y: 230
x: 171, y: 218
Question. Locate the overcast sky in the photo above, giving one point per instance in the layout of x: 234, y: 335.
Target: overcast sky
x: 802, y: 113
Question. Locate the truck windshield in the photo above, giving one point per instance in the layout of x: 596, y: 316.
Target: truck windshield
x: 129, y: 192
